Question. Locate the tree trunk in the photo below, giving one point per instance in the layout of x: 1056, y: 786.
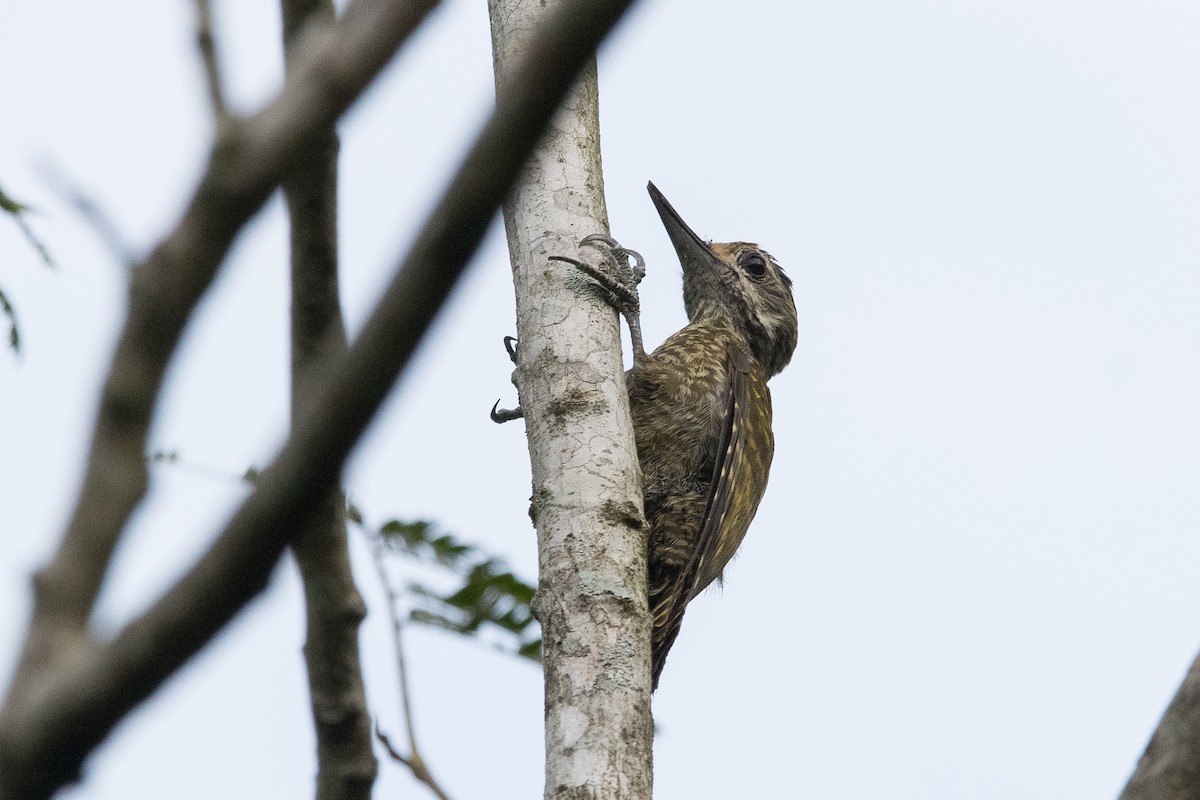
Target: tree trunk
x: 587, y: 496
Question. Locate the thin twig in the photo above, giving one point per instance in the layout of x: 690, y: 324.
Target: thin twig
x: 414, y: 761
x: 74, y: 195
x: 197, y: 469
x: 393, y: 605
x: 414, y: 764
x: 206, y: 44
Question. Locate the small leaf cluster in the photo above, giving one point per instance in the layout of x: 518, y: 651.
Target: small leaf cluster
x: 485, y: 595
x: 17, y: 211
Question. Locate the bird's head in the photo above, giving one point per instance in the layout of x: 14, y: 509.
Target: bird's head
x: 739, y: 284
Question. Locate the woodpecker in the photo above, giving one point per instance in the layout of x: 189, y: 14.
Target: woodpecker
x: 701, y: 413
x: 701, y: 407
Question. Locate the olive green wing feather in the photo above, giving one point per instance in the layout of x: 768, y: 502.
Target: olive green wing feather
x: 732, y: 498
x: 737, y: 492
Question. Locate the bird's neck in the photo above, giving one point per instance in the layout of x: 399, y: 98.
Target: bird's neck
x: 721, y: 331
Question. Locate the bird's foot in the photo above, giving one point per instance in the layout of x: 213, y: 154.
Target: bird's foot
x: 616, y: 281
x: 501, y: 415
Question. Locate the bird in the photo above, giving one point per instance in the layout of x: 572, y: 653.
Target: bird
x: 702, y: 417
x: 700, y: 407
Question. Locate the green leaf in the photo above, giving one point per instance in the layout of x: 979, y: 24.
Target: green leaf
x: 405, y: 537
x: 11, y: 206
x: 448, y: 551
x: 14, y: 332
x: 531, y: 650
x: 489, y: 595
x: 424, y: 617
x: 17, y: 211
x: 484, y: 594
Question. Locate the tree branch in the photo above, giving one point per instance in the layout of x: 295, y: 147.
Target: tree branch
x: 74, y: 195
x: 59, y: 707
x: 207, y: 45
x: 414, y: 760
x: 587, y: 495
x: 1170, y: 767
x: 245, y: 165
x: 414, y: 764
x: 334, y: 608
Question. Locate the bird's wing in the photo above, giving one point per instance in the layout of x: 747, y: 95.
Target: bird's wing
x: 740, y: 475
x: 726, y: 516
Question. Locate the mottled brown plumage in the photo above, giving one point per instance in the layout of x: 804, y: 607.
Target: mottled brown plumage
x: 702, y: 416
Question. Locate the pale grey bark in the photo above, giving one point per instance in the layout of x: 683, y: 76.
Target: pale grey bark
x: 587, y: 496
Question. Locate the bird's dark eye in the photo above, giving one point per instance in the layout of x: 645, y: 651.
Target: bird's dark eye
x: 754, y: 264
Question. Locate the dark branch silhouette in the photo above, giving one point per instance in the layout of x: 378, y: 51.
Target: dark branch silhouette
x: 207, y: 45
x: 1170, y: 767
x: 334, y: 609
x: 70, y: 688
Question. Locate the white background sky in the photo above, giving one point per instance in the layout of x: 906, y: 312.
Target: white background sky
x: 974, y: 573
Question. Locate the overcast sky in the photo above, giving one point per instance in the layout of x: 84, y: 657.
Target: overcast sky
x: 974, y: 572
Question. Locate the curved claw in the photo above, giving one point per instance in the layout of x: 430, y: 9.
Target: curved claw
x: 639, y: 266
x: 502, y: 415
x: 510, y: 345
x: 614, y: 251
x: 592, y: 238
x: 617, y: 284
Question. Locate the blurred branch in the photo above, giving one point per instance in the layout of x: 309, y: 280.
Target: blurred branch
x: 1170, y: 767
x: 78, y: 198
x: 420, y: 542
x: 207, y: 45
x: 334, y: 609
x: 70, y: 689
x: 246, y: 163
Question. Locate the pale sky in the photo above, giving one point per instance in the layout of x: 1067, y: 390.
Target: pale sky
x: 974, y: 572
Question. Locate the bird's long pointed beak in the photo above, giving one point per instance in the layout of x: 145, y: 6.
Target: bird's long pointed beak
x: 693, y: 251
